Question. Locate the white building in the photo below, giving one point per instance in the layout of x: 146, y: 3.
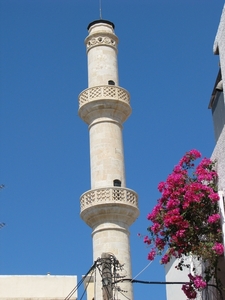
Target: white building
x: 217, y: 105
x: 42, y: 287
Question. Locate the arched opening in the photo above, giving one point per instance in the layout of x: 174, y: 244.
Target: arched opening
x: 111, y: 82
x: 116, y: 182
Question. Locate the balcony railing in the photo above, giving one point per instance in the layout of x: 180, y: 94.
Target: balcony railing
x: 104, y: 92
x: 108, y: 196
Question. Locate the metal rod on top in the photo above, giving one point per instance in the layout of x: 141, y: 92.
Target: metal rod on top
x: 100, y: 9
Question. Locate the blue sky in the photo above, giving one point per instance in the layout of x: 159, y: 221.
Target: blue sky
x: 165, y: 62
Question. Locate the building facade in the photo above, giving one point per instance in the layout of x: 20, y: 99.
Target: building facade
x: 217, y: 105
x: 38, y: 287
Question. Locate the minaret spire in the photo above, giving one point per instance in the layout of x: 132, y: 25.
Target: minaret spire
x: 100, y: 9
x: 109, y: 208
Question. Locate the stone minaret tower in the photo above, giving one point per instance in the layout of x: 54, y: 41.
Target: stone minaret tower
x: 109, y: 208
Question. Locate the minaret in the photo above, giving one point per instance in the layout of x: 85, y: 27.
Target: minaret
x: 109, y: 208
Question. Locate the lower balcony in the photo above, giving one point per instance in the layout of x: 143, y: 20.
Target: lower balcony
x: 109, y: 204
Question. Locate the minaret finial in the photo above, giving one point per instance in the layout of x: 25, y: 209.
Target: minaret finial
x: 100, y: 8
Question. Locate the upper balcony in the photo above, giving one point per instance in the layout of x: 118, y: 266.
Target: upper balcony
x: 104, y: 101
x: 104, y: 92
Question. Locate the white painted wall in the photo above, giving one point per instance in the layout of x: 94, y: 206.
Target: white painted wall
x: 41, y: 287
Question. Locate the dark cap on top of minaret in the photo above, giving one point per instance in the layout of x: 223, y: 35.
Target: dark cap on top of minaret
x: 101, y: 21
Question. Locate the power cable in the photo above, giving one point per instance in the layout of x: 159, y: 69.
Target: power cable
x: 168, y: 282
x: 79, y: 283
x: 143, y: 269
x: 99, y: 262
x: 87, y: 283
x: 124, y: 295
x: 74, y: 290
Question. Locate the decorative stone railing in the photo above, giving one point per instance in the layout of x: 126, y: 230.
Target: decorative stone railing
x: 108, y: 196
x: 96, y: 40
x: 104, y: 92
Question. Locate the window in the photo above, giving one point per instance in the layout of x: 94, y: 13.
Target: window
x: 111, y: 82
x: 116, y: 182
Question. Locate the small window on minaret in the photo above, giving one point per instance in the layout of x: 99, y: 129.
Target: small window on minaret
x: 116, y: 182
x: 111, y: 82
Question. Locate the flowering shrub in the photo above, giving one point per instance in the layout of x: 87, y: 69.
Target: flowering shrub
x: 186, y: 220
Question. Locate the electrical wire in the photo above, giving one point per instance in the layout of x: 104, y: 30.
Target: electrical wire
x: 74, y: 290
x: 143, y: 269
x: 79, y: 283
x: 167, y: 282
x: 96, y: 265
x: 87, y: 283
x: 124, y: 295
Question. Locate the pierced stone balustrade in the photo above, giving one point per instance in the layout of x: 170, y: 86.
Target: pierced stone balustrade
x: 101, y: 203
x: 104, y: 92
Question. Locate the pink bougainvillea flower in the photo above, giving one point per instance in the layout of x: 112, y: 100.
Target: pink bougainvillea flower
x: 160, y: 243
x: 161, y: 186
x: 218, y: 248
x: 165, y: 259
x: 199, y: 283
x: 189, y: 291
x: 172, y: 203
x: 195, y: 153
x: 213, y: 218
x: 185, y: 217
x: 147, y: 240
x: 180, y: 233
x: 189, y: 157
x: 151, y: 254
x: 152, y: 216
x: 155, y: 228
x: 214, y: 197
